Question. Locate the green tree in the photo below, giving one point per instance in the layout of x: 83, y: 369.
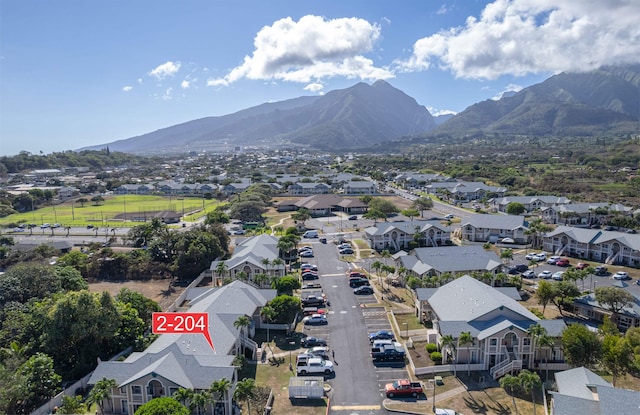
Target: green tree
x: 216, y: 216
x: 220, y: 389
x: 510, y: 382
x: 269, y: 314
x: 544, y: 293
x: 286, y: 285
x: 529, y: 382
x: 562, y: 292
x: 72, y: 405
x: 183, y: 396
x: 242, y: 323
x: 616, y: 356
x: 614, y: 298
x: 515, y: 208
x: 40, y: 381
x: 581, y: 346
x: 245, y: 391
x: 286, y: 307
x: 162, y: 406
x: 143, y: 305
x: 199, y: 401
x: 101, y: 392
x: 421, y: 204
x: 466, y: 339
x: 302, y: 215
x: 410, y: 213
x: 448, y: 342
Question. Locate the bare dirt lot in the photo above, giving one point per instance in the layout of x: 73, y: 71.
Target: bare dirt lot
x: 157, y: 290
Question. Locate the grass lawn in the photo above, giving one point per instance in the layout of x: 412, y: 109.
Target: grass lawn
x: 109, y: 211
x: 412, y: 322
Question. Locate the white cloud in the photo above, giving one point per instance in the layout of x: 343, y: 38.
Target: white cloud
x: 168, y: 94
x: 443, y: 9
x: 310, y: 50
x: 509, y: 88
x: 314, y: 87
x: 140, y: 81
x: 185, y: 84
x: 127, y: 88
x: 166, y: 69
x: 520, y: 37
x: 436, y: 112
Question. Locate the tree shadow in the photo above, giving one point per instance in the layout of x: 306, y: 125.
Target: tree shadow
x: 477, y: 407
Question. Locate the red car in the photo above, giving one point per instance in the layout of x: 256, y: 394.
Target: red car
x: 582, y: 265
x: 563, y: 262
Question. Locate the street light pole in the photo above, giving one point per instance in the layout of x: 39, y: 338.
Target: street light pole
x: 433, y: 405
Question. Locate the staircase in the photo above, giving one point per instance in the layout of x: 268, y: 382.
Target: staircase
x: 560, y: 250
x: 611, y: 259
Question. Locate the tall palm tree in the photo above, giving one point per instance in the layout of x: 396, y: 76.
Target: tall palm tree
x: 536, y: 331
x: 220, y: 388
x: 269, y: 313
x: 266, y: 262
x: 529, y: 381
x: 449, y: 342
x: 221, y: 269
x: 183, y: 396
x: 550, y: 342
x: 510, y: 382
x: 199, y: 400
x: 277, y: 262
x: 245, y: 390
x: 242, y: 323
x: 102, y: 392
x: 466, y: 339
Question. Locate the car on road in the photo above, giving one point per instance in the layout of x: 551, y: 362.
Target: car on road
x: 56, y: 225
x: 239, y: 232
x: 557, y: 276
x: 545, y: 275
x: 529, y: 274
x: 563, y: 262
x: 345, y: 245
x: 306, y: 254
x: 621, y: 275
x: 309, y: 266
x: 449, y: 216
x: 364, y: 290
x: 312, y: 341
x: 582, y: 265
x: 323, y: 240
x: 89, y: 226
x: 45, y: 226
x: 353, y: 217
x: 18, y: 229
x: 315, y: 320
x: 601, y: 270
x: 508, y: 241
x: 381, y: 335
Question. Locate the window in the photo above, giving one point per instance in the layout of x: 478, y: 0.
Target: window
x: 123, y: 390
x: 173, y: 390
x: 527, y: 341
x: 493, y: 342
x: 124, y: 406
x: 136, y: 389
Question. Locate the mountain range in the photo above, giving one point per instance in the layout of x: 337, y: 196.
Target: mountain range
x: 605, y: 101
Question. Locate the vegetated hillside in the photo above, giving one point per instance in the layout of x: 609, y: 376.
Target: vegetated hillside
x: 344, y: 119
x: 605, y: 101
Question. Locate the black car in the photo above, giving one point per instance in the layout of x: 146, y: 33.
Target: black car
x: 353, y: 217
x: 518, y: 269
x: 358, y: 282
x: 309, y: 276
x: 381, y: 335
x: 312, y: 342
x: 364, y: 290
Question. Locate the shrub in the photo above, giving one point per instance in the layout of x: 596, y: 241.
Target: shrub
x: 436, y: 357
x: 431, y: 347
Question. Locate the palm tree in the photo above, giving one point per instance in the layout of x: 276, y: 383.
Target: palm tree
x: 183, y: 396
x: 199, y: 400
x: 245, y: 390
x: 377, y: 265
x: 546, y: 341
x: 260, y: 279
x: 510, y: 382
x: 221, y: 269
x: 266, y: 262
x: 277, y: 262
x: 269, y: 313
x: 241, y: 323
x: 220, y: 388
x: 102, y: 391
x: 422, y: 204
x: 448, y: 342
x: 528, y: 381
x: 536, y: 331
x: 466, y: 339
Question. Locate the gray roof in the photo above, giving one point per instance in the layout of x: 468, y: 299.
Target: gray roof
x: 495, y: 221
x: 587, y: 207
x: 407, y: 227
x: 526, y: 200
x: 458, y: 258
x: 252, y: 250
x: 467, y: 299
x: 597, y: 236
x: 187, y: 359
x: 574, y: 382
x: 618, y: 401
x: 632, y: 310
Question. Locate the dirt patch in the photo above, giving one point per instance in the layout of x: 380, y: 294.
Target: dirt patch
x: 157, y: 290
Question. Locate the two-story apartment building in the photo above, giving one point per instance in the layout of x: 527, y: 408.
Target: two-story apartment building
x: 395, y: 236
x: 491, y: 228
x: 453, y: 260
x: 497, y: 323
x: 530, y: 203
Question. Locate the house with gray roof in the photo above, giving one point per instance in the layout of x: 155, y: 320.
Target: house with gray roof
x: 465, y: 191
x: 395, y: 236
x: 588, y: 307
x: 176, y: 361
x: 491, y: 228
x: 609, y: 247
x: 579, y: 391
x: 452, y: 260
x: 305, y: 188
x: 530, y: 203
x: 361, y: 187
x: 324, y: 205
x: 252, y: 256
x: 497, y: 323
x: 583, y: 213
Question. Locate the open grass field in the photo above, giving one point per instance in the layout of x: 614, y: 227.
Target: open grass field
x: 111, y: 211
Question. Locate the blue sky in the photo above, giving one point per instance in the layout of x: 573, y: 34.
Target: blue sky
x: 75, y: 72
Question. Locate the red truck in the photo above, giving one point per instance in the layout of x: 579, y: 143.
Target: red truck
x: 403, y: 387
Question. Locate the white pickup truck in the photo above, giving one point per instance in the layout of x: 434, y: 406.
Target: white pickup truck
x: 315, y: 365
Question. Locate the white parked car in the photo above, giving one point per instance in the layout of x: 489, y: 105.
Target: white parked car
x: 621, y: 275
x: 557, y: 276
x: 552, y: 260
x: 545, y: 275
